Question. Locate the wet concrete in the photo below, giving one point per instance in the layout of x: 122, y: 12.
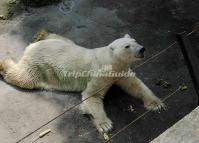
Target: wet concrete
x: 93, y: 23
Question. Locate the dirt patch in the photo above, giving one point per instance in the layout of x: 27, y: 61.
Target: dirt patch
x: 7, y: 8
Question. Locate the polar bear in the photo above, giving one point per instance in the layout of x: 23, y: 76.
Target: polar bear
x: 45, y: 64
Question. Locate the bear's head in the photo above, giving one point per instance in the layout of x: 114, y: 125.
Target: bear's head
x: 126, y: 49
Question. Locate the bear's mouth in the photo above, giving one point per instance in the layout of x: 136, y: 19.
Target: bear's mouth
x: 140, y: 56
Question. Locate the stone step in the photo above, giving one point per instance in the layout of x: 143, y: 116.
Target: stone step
x: 184, y: 131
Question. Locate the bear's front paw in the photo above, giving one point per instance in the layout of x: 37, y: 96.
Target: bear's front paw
x: 154, y: 104
x: 103, y: 125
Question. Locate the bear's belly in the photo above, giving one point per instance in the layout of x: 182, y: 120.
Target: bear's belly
x: 53, y: 78
x: 70, y: 84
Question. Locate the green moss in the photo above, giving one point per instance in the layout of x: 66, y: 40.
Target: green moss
x: 39, y: 3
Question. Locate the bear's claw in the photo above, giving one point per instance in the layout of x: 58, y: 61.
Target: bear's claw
x: 103, y: 125
x: 154, y: 105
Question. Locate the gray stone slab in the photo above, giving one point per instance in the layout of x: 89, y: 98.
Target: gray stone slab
x: 23, y: 111
x: 184, y: 131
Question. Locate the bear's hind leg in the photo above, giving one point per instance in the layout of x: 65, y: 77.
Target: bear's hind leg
x: 18, y: 75
x: 5, y: 65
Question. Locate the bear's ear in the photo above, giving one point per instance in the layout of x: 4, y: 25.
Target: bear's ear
x: 127, y: 36
x: 111, y: 48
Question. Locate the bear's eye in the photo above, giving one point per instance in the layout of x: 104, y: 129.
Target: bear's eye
x: 127, y: 46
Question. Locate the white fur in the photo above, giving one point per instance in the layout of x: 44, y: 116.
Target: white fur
x: 45, y: 63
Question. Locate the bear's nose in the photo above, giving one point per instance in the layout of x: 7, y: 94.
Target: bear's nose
x: 142, y: 50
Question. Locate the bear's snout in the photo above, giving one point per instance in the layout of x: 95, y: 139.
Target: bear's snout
x: 142, y: 50
x: 140, y: 53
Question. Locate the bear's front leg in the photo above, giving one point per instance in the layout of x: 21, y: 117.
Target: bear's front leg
x: 93, y: 105
x: 135, y: 87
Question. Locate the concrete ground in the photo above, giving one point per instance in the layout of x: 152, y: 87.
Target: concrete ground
x: 95, y: 23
